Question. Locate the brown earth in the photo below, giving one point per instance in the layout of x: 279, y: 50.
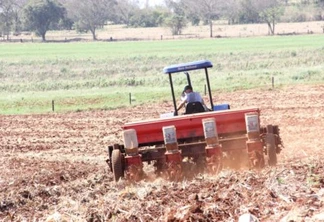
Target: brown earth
x: 53, y: 167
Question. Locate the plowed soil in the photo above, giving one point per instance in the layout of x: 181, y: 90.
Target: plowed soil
x: 53, y: 167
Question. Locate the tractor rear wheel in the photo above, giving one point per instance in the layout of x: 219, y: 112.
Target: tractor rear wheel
x: 117, y: 164
x: 271, y: 149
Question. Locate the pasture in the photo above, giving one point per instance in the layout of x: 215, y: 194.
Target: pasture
x: 101, y: 75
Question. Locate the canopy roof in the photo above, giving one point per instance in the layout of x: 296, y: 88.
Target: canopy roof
x: 183, y: 67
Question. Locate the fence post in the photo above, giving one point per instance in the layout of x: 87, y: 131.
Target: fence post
x: 272, y: 82
x: 53, y: 105
x: 130, y: 98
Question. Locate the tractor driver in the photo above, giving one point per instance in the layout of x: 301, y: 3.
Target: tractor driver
x: 189, y: 96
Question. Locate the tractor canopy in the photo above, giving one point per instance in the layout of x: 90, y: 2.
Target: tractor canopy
x: 185, y: 67
x: 188, y: 66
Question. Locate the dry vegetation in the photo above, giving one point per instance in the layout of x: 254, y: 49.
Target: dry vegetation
x: 53, y: 167
x: 119, y: 32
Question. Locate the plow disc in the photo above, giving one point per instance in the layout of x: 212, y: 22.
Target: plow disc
x: 214, y: 160
x: 256, y: 160
x: 173, y: 171
x: 134, y: 173
x: 214, y: 164
x: 173, y: 168
x: 117, y: 164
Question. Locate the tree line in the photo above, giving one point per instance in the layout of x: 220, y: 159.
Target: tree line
x: 40, y: 16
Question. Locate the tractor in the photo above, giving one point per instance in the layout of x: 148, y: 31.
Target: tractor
x: 209, y: 140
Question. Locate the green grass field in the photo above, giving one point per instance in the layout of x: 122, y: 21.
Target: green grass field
x: 100, y: 75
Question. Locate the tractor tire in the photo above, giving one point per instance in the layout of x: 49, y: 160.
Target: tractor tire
x: 117, y: 164
x: 271, y: 149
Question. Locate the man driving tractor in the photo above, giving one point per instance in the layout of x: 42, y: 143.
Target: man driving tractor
x: 191, y: 97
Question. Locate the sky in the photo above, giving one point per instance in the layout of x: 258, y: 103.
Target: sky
x: 151, y: 2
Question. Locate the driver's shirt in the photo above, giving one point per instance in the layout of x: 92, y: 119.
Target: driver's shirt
x: 193, y: 97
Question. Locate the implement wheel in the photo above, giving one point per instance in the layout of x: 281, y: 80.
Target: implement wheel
x: 117, y: 164
x: 271, y: 149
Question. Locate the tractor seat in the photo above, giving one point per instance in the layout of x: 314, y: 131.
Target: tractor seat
x: 194, y: 107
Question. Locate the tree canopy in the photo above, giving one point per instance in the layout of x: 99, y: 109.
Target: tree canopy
x: 85, y: 15
x: 270, y: 12
x: 7, y: 9
x: 207, y: 10
x: 89, y: 15
x: 177, y: 20
x: 40, y: 14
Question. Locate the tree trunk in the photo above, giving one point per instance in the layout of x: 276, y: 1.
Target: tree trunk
x: 93, y: 31
x: 271, y: 29
x: 43, y: 37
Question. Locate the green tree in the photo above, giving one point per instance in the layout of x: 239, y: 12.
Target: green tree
x: 147, y: 17
x: 271, y: 16
x: 124, y: 10
x: 10, y: 16
x: 270, y: 12
x: 18, y: 7
x: 207, y: 10
x: 6, y: 16
x: 249, y: 12
x: 176, y: 21
x: 41, y: 14
x: 232, y: 11
x: 320, y: 8
x: 90, y: 15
